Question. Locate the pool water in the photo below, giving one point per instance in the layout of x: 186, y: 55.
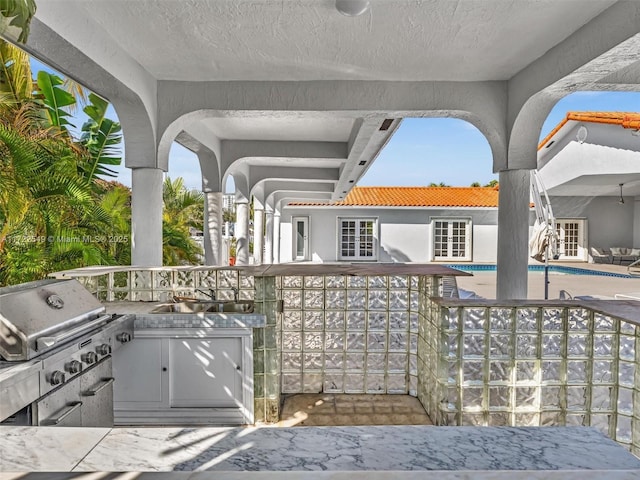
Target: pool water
x: 540, y: 268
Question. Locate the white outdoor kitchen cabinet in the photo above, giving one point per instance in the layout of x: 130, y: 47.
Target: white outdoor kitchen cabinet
x: 194, y: 376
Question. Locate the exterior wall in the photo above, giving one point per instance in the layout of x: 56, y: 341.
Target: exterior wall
x: 597, y: 134
x: 636, y: 221
x: 609, y: 224
x: 404, y: 235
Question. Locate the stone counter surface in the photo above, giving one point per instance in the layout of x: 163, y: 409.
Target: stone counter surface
x: 145, y: 319
x: 379, y: 448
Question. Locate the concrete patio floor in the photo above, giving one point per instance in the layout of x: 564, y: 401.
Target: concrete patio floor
x: 484, y: 283
x: 321, y: 409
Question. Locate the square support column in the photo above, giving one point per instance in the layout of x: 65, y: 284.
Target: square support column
x: 242, y: 233
x: 258, y: 235
x: 276, y: 237
x: 146, y: 217
x: 513, y: 235
x: 268, y: 239
x: 213, y: 228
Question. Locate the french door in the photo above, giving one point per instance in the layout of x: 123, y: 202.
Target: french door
x: 571, y: 239
x: 300, y: 238
x: 451, y: 239
x: 357, y: 239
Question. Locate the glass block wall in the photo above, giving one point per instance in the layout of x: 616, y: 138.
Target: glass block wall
x: 348, y: 334
x: 162, y: 284
x: 266, y: 357
x: 530, y: 366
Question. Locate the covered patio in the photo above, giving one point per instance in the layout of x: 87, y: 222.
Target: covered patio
x: 295, y: 100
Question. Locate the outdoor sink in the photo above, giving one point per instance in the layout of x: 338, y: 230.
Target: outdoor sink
x: 217, y: 306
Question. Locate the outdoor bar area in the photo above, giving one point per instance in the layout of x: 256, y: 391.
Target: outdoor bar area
x: 375, y: 328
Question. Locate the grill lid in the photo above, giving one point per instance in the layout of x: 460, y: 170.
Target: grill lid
x: 41, y: 309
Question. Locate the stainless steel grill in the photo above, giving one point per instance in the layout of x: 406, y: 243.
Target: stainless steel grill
x: 56, y: 343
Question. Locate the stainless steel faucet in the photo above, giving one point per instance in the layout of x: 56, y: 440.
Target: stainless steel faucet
x: 211, y: 294
x: 235, y: 294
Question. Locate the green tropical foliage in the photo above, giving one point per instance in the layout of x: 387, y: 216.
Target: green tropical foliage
x: 57, y: 210
x: 55, y: 99
x: 183, y: 211
x: 102, y: 138
x: 15, y: 18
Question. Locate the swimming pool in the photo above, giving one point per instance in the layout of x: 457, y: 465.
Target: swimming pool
x: 540, y: 268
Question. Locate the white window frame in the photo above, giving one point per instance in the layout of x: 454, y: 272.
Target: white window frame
x: 357, y: 239
x: 582, y: 253
x: 468, y: 240
x: 305, y: 240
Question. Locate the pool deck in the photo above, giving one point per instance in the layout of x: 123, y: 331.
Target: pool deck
x: 484, y: 283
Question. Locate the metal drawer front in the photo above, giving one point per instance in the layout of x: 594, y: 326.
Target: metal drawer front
x: 96, y: 394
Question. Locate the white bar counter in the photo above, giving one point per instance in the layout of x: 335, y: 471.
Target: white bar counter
x: 306, y: 449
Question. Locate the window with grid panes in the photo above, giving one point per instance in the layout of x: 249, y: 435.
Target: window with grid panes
x: 357, y: 239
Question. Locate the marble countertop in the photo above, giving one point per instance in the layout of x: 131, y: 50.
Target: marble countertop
x: 319, y: 475
x: 297, y: 268
x: 145, y: 319
x: 371, y: 448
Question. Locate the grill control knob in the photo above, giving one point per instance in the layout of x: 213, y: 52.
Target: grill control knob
x: 73, y: 367
x: 123, y: 337
x: 57, y: 378
x: 90, y: 357
x: 104, y: 349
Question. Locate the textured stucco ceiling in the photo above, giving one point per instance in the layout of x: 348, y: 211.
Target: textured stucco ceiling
x: 309, y: 40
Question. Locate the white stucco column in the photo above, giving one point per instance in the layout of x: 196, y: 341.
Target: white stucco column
x: 146, y: 217
x: 513, y: 235
x: 268, y: 238
x: 212, y: 228
x: 258, y: 237
x: 276, y: 237
x: 636, y: 222
x: 242, y: 233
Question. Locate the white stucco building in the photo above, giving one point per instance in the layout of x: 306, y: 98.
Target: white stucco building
x: 583, y: 163
x: 394, y: 224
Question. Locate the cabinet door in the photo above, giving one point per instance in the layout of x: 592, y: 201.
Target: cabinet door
x: 138, y: 370
x: 205, y: 372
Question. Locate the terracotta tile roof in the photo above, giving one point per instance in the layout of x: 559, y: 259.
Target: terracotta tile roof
x: 473, y: 197
x: 623, y: 119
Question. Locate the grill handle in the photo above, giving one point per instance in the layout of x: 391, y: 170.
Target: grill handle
x: 43, y: 343
x: 73, y: 407
x: 94, y: 392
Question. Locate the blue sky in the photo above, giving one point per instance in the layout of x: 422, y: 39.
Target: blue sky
x: 423, y: 150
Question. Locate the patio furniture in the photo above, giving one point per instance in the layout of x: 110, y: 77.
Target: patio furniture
x: 622, y: 254
x: 628, y: 296
x: 634, y: 268
x: 601, y: 255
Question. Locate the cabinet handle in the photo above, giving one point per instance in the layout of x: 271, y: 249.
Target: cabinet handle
x: 73, y: 407
x: 164, y: 369
x: 94, y: 392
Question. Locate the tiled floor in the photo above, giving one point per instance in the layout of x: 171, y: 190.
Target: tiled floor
x: 321, y: 409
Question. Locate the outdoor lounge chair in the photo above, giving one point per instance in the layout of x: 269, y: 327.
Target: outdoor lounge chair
x: 625, y: 255
x: 601, y: 255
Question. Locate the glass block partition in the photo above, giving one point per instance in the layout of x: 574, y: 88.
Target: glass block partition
x: 348, y: 334
x: 524, y: 365
x: 128, y: 284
